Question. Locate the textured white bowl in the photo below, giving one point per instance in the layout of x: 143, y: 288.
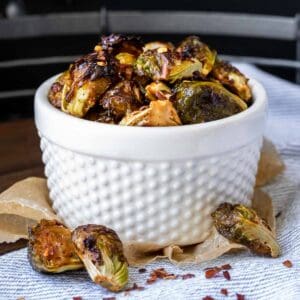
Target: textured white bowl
x: 155, y: 185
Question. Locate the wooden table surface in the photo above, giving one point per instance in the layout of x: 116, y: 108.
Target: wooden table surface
x: 20, y: 157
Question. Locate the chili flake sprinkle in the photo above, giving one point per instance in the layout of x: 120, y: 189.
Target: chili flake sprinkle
x: 160, y: 273
x: 208, y: 298
x: 287, y: 263
x: 226, y: 275
x: 142, y: 270
x: 240, y: 296
x: 224, y: 292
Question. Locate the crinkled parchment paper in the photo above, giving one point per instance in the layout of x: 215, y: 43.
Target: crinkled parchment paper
x: 27, y: 201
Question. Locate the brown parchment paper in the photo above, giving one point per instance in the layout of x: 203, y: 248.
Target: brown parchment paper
x: 27, y: 201
x: 270, y: 164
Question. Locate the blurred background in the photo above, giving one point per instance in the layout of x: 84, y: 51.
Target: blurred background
x: 20, y: 75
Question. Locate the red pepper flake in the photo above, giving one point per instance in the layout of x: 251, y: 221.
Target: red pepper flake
x: 160, y: 273
x: 109, y: 298
x: 287, y: 263
x: 240, y: 297
x: 224, y: 292
x: 213, y: 272
x: 187, y: 276
x: 208, y: 298
x: 77, y: 298
x: 226, y: 267
x: 142, y: 270
x: 226, y: 275
x: 135, y: 287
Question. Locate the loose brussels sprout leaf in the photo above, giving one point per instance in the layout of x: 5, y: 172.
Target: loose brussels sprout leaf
x: 192, y: 47
x: 158, y: 91
x: 241, y: 224
x: 163, y: 46
x: 55, y: 92
x: 232, y: 78
x: 159, y: 113
x: 200, y: 101
x: 184, y: 69
x: 102, y: 254
x: 50, y: 248
x: 122, y: 98
x: 77, y: 100
x: 125, y: 58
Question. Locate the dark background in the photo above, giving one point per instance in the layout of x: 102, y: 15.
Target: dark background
x: 31, y: 77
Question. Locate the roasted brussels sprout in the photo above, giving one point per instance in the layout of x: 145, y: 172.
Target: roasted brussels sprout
x: 232, y: 78
x: 50, y: 248
x: 159, y: 113
x: 122, y: 98
x: 241, y: 224
x: 163, y: 64
x: 200, y: 101
x: 192, y: 47
x: 101, y: 251
x: 158, y: 91
x: 55, y: 92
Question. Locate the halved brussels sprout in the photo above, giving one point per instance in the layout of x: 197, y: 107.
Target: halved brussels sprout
x: 183, y: 69
x: 50, y: 248
x: 102, y: 254
x: 200, y: 101
x: 232, y: 78
x: 158, y: 91
x: 55, y: 92
x: 192, y: 47
x: 159, y: 113
x: 241, y: 224
x: 77, y: 100
x: 166, y: 65
x: 122, y: 98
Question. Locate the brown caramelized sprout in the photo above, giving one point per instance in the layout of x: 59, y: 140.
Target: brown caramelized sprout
x: 158, y: 91
x: 102, y: 254
x: 122, y: 98
x: 163, y: 64
x: 232, y: 78
x: 192, y: 47
x: 77, y: 100
x: 50, y: 248
x: 159, y: 113
x: 241, y: 224
x: 200, y: 101
x: 55, y: 92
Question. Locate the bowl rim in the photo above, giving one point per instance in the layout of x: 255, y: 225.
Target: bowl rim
x: 141, y: 148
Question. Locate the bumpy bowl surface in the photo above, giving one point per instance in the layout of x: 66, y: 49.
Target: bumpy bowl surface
x: 155, y: 185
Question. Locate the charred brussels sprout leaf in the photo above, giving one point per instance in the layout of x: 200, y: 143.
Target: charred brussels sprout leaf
x: 232, y: 78
x: 242, y: 225
x: 158, y: 91
x: 200, y: 101
x: 159, y: 113
x: 122, y: 98
x: 102, y: 254
x: 192, y: 47
x: 50, y: 248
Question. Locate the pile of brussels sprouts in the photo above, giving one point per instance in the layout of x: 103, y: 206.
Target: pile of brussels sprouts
x: 126, y: 82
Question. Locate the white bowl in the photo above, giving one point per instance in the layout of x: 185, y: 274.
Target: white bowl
x: 156, y: 184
